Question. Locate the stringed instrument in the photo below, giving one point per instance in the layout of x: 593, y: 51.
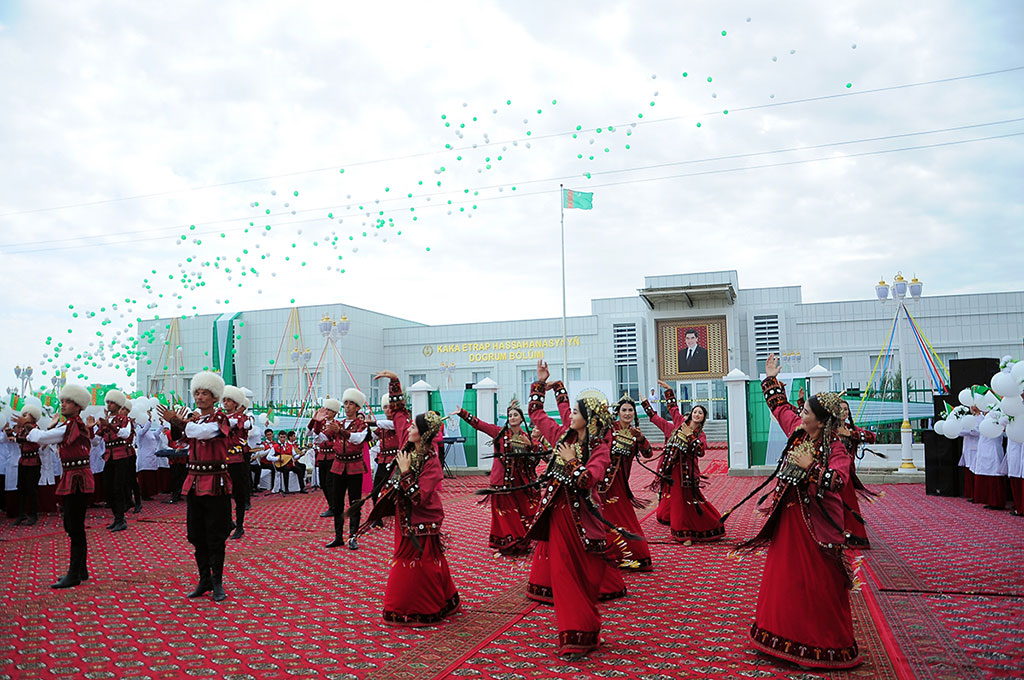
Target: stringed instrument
x: 284, y: 457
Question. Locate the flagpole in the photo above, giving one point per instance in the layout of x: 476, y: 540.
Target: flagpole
x: 565, y: 346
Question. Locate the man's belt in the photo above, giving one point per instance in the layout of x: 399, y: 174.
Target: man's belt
x: 207, y: 468
x: 117, y: 443
x: 240, y: 449
x: 77, y: 463
x: 349, y: 457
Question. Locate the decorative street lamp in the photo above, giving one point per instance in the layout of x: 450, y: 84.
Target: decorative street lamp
x: 899, y: 289
x: 25, y: 376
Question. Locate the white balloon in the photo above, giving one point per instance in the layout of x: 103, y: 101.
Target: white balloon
x: 939, y: 426
x: 1012, y: 406
x: 1017, y: 372
x: 989, y: 400
x: 951, y: 430
x: 966, y: 397
x: 1003, y: 384
x: 990, y: 428
x: 1015, y: 430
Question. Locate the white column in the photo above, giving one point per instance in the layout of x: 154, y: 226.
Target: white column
x: 739, y: 444
x: 420, y: 392
x: 486, y: 390
x: 906, y: 434
x: 819, y: 379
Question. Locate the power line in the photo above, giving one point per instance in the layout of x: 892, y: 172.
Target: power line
x: 531, y: 138
x: 531, y: 181
x: 597, y: 186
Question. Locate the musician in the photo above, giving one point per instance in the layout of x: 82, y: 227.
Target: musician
x: 29, y: 466
x: 234, y: 402
x: 389, y: 444
x: 258, y: 461
x: 282, y: 457
x: 297, y: 465
x: 117, y: 433
x: 133, y: 492
x: 349, y: 466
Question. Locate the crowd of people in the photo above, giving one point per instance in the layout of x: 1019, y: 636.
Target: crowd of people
x: 558, y: 488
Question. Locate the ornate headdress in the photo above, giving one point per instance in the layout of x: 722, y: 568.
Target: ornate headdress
x: 434, y: 422
x: 625, y: 399
x: 598, y: 418
x: 831, y: 402
x: 514, y: 403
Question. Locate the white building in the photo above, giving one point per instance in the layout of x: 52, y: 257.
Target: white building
x: 624, y: 345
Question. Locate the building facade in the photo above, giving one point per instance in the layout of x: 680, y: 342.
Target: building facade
x: 687, y: 329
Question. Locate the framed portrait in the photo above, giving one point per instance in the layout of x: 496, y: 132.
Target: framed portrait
x: 692, y: 349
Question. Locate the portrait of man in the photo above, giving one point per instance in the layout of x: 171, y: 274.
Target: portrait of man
x: 692, y: 357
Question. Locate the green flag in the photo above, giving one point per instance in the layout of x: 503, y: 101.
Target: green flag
x: 577, y: 199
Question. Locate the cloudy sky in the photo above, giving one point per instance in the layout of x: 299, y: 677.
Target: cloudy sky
x: 125, y: 123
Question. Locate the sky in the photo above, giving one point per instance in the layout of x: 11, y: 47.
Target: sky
x: 126, y: 124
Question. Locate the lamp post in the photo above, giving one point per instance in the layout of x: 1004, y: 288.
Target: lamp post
x: 899, y: 289
x: 25, y: 376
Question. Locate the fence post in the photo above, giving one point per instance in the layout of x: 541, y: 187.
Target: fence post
x: 420, y: 392
x: 485, y: 391
x: 739, y: 442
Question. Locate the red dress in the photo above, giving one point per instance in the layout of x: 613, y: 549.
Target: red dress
x: 617, y: 499
x: 690, y: 514
x: 420, y: 590
x: 515, y: 463
x: 856, y: 534
x: 803, y: 607
x: 575, y: 538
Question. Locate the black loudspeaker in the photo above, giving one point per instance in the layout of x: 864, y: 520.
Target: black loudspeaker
x: 942, y: 455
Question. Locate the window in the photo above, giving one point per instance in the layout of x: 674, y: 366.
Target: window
x: 834, y: 364
x: 273, y: 388
x: 156, y: 386
x: 312, y: 386
x: 624, y: 354
x: 526, y: 378
x: 374, y: 398
x: 766, y: 337
x: 480, y: 375
x: 945, y: 358
x: 416, y: 377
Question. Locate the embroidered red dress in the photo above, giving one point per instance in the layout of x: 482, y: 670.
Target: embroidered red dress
x: 575, y: 539
x: 856, y: 534
x: 803, y: 607
x: 514, y: 465
x: 691, y: 515
x: 617, y: 498
x: 420, y: 590
x: 74, y: 449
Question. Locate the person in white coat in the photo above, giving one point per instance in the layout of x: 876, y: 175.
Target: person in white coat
x: 990, y: 472
x: 1015, y: 471
x: 970, y: 450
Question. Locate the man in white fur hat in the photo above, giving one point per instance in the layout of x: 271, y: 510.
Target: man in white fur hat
x: 349, y: 466
x: 324, y: 446
x: 117, y: 432
x: 29, y: 465
x: 207, y: 485
x: 76, y: 483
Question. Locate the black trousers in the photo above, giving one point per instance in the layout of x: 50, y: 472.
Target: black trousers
x: 116, y: 485
x: 379, y: 477
x: 257, y: 472
x: 239, y: 490
x: 208, y: 519
x: 73, y: 508
x: 133, y: 495
x: 326, y: 482
x: 178, y: 474
x: 300, y: 472
x: 353, y: 486
x: 28, y: 490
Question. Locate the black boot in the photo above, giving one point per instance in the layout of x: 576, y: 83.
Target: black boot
x: 138, y: 507
x: 71, y: 579
x: 21, y: 520
x: 204, y: 586
x: 120, y: 524
x: 336, y: 543
x: 32, y: 519
x: 327, y: 513
x: 217, y: 574
x: 113, y: 524
x: 238, y: 533
x: 83, y: 571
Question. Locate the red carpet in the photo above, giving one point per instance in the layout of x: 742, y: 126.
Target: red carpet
x: 297, y: 609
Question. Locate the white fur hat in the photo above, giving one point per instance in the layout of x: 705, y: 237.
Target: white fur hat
x: 234, y: 394
x: 32, y: 410
x: 355, y: 396
x: 332, y: 405
x: 385, y: 401
x: 127, y: 404
x: 248, y: 396
x: 205, y: 380
x: 116, y: 396
x: 77, y: 394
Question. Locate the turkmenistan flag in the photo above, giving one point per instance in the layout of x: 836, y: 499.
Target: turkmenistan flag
x: 577, y: 199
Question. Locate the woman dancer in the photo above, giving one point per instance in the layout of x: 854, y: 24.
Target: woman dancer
x: 852, y: 437
x: 420, y: 590
x: 515, y: 465
x: 691, y: 515
x: 803, y: 608
x: 664, y: 486
x: 569, y: 518
x: 618, y: 504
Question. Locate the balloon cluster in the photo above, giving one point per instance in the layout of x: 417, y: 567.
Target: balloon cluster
x: 1001, y: 406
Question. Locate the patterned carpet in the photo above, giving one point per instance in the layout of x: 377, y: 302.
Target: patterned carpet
x: 296, y: 609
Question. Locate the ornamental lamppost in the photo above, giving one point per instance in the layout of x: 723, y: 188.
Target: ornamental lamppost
x: 25, y: 376
x: 900, y: 289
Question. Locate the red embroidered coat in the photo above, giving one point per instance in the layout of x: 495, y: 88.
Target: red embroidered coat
x: 110, y: 430
x: 207, y: 468
x: 817, y: 493
x: 390, y: 443
x: 325, y: 448
x: 515, y: 456
x: 29, y: 450
x: 678, y: 451
x: 349, y: 456
x: 238, y: 436
x: 578, y: 479
x: 625, y: 444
